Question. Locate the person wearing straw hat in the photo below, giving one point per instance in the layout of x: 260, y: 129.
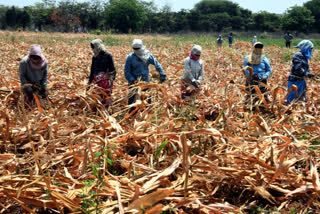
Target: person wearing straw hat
x: 193, y: 73
x: 33, y: 73
x: 137, y: 68
x: 300, y: 71
x: 103, y: 71
x: 261, y: 69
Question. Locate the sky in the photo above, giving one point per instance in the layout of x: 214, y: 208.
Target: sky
x: 274, y: 6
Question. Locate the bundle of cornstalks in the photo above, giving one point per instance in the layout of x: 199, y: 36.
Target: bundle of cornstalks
x: 212, y: 153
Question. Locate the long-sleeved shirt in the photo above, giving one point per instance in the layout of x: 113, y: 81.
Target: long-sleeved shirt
x: 299, y: 68
x: 103, y: 63
x: 135, y: 68
x: 263, y: 69
x: 31, y: 76
x: 288, y: 37
x: 194, y: 70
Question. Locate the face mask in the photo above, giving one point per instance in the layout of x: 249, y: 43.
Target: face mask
x: 193, y: 56
x: 257, y: 51
x: 307, y: 52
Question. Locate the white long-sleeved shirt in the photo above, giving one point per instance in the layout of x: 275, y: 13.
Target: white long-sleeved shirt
x: 194, y: 70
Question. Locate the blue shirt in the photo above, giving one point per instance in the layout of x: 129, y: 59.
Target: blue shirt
x: 263, y: 69
x: 134, y: 68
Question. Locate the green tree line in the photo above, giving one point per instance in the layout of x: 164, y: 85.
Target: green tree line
x: 137, y: 16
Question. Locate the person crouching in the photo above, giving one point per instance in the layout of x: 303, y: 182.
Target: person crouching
x: 33, y: 73
x: 193, y: 74
x: 261, y: 70
x: 103, y: 71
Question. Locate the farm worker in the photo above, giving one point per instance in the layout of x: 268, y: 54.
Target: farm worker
x: 33, y: 73
x: 300, y: 71
x: 219, y: 41
x: 137, y: 68
x: 288, y: 37
x: 261, y: 68
x: 230, y: 39
x: 193, y: 73
x: 254, y: 40
x: 103, y: 71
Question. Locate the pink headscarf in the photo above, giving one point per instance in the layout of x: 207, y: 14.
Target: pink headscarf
x: 37, y: 64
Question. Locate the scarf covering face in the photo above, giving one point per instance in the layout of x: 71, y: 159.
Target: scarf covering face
x: 256, y: 56
x: 97, y: 46
x: 306, y: 47
x: 195, y: 52
x: 141, y: 52
x: 35, y: 50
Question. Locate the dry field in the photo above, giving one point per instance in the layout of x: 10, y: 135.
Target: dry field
x: 68, y: 154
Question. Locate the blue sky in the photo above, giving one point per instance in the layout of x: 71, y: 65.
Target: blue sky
x: 275, y: 6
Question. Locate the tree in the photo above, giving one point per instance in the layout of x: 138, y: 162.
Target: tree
x: 11, y: 17
x: 314, y: 7
x: 66, y: 16
x: 126, y: 15
x: 165, y: 20
x: 96, y: 15
x: 246, y: 19
x: 181, y: 21
x: 222, y: 14
x: 23, y: 18
x: 218, y: 6
x: 41, y: 14
x: 265, y: 21
x: 194, y: 18
x: 297, y: 19
x: 3, y: 21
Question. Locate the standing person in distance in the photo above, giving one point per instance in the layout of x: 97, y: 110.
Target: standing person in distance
x: 33, y: 73
x: 103, y: 71
x: 230, y: 38
x: 254, y: 40
x: 261, y: 69
x: 137, y: 69
x: 300, y: 71
x: 219, y: 41
x: 193, y: 72
x: 288, y: 37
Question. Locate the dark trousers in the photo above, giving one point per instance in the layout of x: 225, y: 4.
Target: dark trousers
x: 28, y: 92
x: 288, y: 44
x: 133, y: 95
x: 252, y: 90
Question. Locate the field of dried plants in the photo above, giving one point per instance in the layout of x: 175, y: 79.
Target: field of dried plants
x: 211, y: 154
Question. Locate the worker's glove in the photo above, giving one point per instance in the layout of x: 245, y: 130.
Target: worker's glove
x: 195, y: 83
x: 162, y: 78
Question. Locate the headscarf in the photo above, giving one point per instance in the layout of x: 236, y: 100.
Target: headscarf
x: 35, y: 50
x: 306, y: 47
x: 256, y: 56
x: 195, y: 52
x: 141, y: 51
x: 97, y: 46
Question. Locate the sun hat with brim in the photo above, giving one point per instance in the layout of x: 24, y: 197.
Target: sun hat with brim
x: 258, y: 45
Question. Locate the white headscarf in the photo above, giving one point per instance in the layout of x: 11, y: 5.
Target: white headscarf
x: 142, y: 53
x: 98, y: 46
x: 196, y: 49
